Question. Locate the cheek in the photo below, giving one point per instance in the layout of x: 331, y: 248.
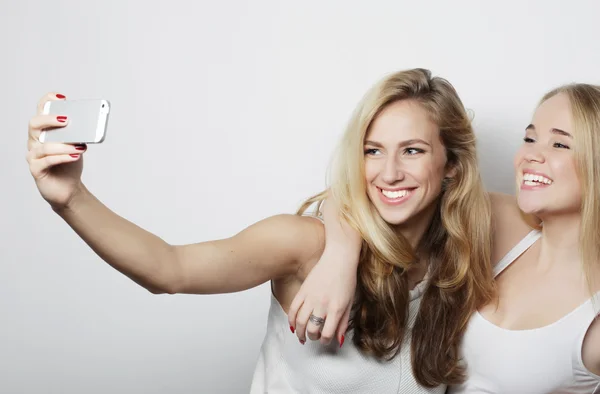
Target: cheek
x: 567, y: 171
x: 430, y: 172
x: 519, y: 157
x: 371, y: 170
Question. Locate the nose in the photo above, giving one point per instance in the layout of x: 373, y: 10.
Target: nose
x: 392, y: 171
x: 535, y: 154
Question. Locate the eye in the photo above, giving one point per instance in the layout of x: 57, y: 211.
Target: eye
x: 372, y: 152
x: 413, y: 151
x: 559, y: 145
x: 528, y: 140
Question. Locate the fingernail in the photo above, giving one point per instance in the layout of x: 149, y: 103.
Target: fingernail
x: 80, y: 146
x: 60, y: 96
x: 292, y: 329
x: 74, y: 155
x: 61, y: 119
x: 342, y: 341
x: 302, y: 341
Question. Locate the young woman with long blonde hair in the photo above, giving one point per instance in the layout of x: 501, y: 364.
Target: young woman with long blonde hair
x: 410, y: 130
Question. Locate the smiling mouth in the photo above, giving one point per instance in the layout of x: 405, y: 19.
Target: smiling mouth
x: 530, y: 179
x: 394, y: 197
x: 394, y: 194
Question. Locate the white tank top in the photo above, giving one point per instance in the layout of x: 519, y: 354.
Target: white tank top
x: 286, y: 366
x: 540, y: 360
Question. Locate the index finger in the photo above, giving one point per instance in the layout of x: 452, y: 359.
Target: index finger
x: 51, y: 96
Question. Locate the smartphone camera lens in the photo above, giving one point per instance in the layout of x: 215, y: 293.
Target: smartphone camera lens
x: 103, y: 105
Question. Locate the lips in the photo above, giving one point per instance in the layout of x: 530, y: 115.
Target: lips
x: 532, y: 179
x: 395, y: 196
x: 535, y: 180
x: 394, y: 193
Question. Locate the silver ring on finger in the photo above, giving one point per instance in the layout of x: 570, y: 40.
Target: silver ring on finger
x: 317, y: 321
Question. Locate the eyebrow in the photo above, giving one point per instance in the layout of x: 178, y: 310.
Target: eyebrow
x: 553, y: 130
x: 402, y: 144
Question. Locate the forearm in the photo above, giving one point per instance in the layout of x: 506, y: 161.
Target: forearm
x: 340, y: 237
x: 133, y: 251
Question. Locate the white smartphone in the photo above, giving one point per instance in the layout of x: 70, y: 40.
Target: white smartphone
x: 87, y: 121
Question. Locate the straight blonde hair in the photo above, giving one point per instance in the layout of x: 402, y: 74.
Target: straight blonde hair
x: 585, y: 111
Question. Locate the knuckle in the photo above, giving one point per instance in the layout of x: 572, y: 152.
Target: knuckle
x: 326, y: 338
x: 324, y: 300
x: 45, y: 150
x: 34, y: 170
x: 336, y: 311
x: 47, y: 161
x: 312, y: 330
x: 31, y: 124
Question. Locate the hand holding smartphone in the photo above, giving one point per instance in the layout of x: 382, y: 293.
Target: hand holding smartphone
x: 88, y: 121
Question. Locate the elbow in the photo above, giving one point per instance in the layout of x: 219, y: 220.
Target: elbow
x: 169, y: 278
x: 159, y: 290
x: 170, y: 288
x: 162, y: 288
x: 156, y: 287
x: 166, y: 281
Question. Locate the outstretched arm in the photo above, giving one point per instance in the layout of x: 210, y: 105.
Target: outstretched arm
x: 277, y: 247
x: 265, y: 250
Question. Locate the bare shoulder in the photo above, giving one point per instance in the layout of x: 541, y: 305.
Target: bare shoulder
x: 591, y: 348
x: 508, y: 225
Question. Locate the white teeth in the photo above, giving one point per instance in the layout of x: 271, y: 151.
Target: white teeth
x: 530, y: 179
x: 394, y: 194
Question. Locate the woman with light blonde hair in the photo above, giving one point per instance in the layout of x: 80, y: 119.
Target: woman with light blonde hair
x: 407, y: 171
x: 541, y: 332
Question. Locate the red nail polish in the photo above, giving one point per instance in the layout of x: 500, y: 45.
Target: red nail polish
x: 60, y: 96
x: 61, y: 119
x: 80, y: 147
x: 342, y: 341
x: 292, y: 329
x: 74, y: 155
x: 302, y: 341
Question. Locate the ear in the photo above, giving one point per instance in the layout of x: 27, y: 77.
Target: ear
x: 451, y: 171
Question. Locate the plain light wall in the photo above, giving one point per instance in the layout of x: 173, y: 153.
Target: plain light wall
x: 224, y: 113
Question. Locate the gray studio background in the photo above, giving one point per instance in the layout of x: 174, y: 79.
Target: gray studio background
x: 223, y: 113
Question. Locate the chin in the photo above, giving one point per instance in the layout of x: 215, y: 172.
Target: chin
x: 529, y: 207
x: 394, y: 222
x: 538, y: 207
x: 394, y: 218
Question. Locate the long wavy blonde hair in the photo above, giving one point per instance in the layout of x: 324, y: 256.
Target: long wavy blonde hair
x: 585, y: 111
x: 456, y: 246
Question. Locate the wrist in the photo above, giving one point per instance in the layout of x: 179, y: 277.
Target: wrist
x: 78, y: 198
x: 344, y: 253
